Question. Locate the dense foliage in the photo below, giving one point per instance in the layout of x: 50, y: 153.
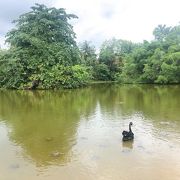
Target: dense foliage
x: 111, y: 55
x: 43, y: 50
x: 157, y: 61
x: 43, y: 53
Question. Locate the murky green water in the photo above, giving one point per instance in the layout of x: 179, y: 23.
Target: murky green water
x: 76, y: 134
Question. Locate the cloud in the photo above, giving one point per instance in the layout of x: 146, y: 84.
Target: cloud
x: 95, y: 17
x: 126, y: 19
x: 11, y: 9
x: 103, y: 19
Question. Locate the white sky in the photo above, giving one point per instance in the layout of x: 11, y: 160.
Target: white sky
x: 103, y: 19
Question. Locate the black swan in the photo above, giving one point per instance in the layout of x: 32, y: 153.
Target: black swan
x: 128, y: 135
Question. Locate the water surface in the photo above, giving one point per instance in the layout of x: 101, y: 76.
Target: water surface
x: 76, y: 134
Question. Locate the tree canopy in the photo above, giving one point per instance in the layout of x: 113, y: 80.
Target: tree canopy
x: 157, y: 61
x: 43, y: 53
x: 42, y: 43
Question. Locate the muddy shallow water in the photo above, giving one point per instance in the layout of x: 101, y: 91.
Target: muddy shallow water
x: 76, y: 134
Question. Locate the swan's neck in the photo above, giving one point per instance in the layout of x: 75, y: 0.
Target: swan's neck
x: 130, y: 128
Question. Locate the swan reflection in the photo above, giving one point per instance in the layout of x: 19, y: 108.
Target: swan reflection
x: 128, y: 144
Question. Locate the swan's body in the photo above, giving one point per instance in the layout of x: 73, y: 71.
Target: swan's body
x: 128, y: 135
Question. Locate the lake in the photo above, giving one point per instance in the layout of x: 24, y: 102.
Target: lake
x: 77, y: 134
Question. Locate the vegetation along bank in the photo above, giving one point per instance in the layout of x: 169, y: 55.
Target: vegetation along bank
x: 43, y: 54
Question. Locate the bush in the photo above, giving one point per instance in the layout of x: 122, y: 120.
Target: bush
x: 65, y: 77
x: 101, y: 72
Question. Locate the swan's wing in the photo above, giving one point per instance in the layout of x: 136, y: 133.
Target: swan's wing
x: 124, y: 133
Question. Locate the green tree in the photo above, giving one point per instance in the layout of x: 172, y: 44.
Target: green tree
x: 170, y: 69
x: 152, y: 66
x: 161, y: 32
x: 157, y: 61
x: 101, y: 72
x: 88, y: 54
x: 112, y: 53
x: 42, y: 40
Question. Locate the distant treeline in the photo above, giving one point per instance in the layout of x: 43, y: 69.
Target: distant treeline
x: 43, y: 53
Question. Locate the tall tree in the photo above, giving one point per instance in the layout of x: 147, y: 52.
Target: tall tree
x: 42, y: 40
x: 161, y: 32
x: 88, y: 53
x: 112, y: 53
x: 45, y: 32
